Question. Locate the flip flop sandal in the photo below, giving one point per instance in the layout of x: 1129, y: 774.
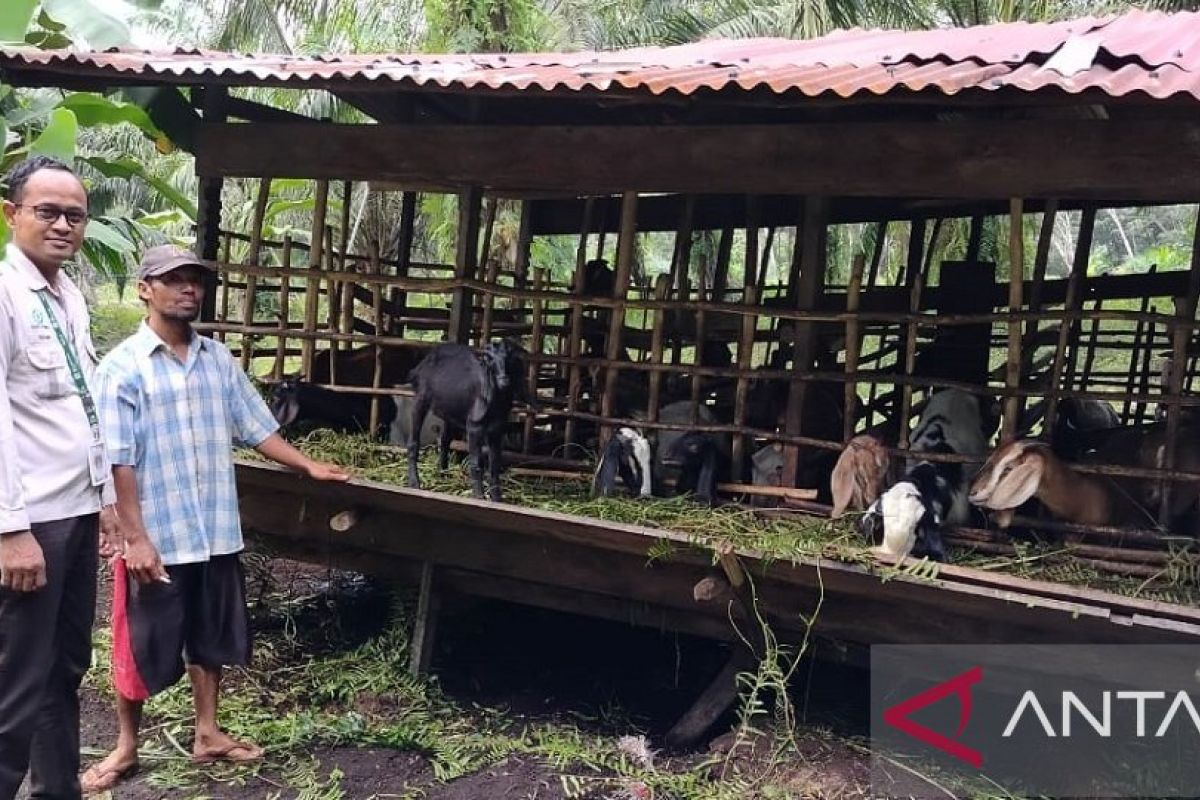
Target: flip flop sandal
x: 95, y: 779
x: 254, y: 753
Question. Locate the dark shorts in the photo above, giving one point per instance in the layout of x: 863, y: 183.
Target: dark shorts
x: 199, y: 617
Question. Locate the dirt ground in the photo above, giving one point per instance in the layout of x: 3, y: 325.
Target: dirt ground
x: 528, y: 666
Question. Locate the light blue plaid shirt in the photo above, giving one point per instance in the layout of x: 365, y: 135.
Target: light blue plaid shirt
x: 175, y: 423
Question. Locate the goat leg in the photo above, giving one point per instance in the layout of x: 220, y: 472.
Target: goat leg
x: 444, y: 447
x: 419, y: 411
x: 706, y: 483
x: 475, y: 448
x: 494, y: 443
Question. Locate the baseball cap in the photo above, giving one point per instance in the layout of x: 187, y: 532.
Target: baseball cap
x: 166, y: 257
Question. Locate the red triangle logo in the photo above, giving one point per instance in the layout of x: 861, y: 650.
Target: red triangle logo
x: 960, y: 685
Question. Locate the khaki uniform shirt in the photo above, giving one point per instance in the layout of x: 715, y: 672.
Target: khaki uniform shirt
x: 44, y: 431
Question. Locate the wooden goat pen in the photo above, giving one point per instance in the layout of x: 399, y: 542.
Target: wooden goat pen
x: 864, y: 339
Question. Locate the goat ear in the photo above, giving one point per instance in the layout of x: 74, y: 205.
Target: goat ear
x: 841, y: 484
x: 1020, y: 484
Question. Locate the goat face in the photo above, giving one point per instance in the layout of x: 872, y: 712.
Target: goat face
x: 956, y: 419
x: 495, y: 362
x: 285, y: 402
x: 897, y: 513
x: 1009, y: 478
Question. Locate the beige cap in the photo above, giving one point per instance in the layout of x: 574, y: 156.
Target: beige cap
x: 166, y: 257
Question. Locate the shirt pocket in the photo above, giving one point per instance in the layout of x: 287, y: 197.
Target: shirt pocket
x: 50, y: 377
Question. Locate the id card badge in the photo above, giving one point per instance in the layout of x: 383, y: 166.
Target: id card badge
x: 98, y: 464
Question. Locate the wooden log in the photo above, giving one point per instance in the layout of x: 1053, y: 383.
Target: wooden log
x: 1138, y: 347
x: 576, y: 380
x: 284, y: 309
x: 252, y: 257
x: 1016, y: 274
x: 974, y: 237
x: 1040, y: 261
x: 226, y: 244
x: 377, y: 311
x: 346, y: 320
x: 712, y: 703
x: 1079, y: 267
x: 616, y: 328
x: 662, y: 287
x: 313, y: 278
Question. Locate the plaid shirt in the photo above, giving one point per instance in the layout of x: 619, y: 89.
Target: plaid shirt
x: 174, y: 423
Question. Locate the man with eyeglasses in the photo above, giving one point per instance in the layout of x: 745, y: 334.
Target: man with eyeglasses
x: 54, y: 482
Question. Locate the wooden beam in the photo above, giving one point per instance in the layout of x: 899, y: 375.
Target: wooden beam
x: 1144, y: 159
x: 465, y: 263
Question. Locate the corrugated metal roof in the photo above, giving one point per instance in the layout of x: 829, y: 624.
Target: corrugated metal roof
x: 1149, y: 52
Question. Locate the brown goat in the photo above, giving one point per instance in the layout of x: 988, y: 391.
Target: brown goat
x: 859, y: 475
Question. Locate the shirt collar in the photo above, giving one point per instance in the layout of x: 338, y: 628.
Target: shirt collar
x: 147, y: 341
x: 28, y: 271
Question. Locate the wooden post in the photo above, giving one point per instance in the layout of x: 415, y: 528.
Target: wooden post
x: 425, y: 625
x: 312, y: 288
x: 574, y: 343
x: 284, y: 309
x: 744, y: 361
x: 1141, y: 343
x: 539, y: 282
x: 1016, y: 273
x: 346, y: 322
x: 208, y: 209
x: 881, y: 230
x: 226, y: 247
x: 765, y: 261
x: 681, y: 258
x: 465, y: 264
x: 917, y: 270
x: 1074, y: 299
x: 625, y: 243
x: 408, y: 221
x: 853, y: 343
x: 252, y: 257
x: 376, y: 268
x: 491, y: 270
x: 810, y: 264
x: 975, y: 238
x: 524, y: 240
x: 662, y: 289
x: 1181, y: 336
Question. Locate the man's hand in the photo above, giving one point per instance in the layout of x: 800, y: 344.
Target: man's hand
x: 22, y: 565
x: 110, y: 532
x: 320, y: 471
x: 142, y: 560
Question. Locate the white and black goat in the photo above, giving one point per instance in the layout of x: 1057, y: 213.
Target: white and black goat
x: 931, y: 494
x: 628, y: 456
x: 472, y: 392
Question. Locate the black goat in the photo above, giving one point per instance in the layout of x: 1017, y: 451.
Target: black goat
x: 473, y: 392
x: 701, y: 465
x: 628, y: 455
x: 295, y: 402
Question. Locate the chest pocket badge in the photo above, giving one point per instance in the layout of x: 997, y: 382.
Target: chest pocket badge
x: 51, y: 379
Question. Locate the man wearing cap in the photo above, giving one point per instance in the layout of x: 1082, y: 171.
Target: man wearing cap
x: 172, y: 402
x: 53, y: 481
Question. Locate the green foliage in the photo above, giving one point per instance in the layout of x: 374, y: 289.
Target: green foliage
x: 482, y: 25
x: 16, y: 16
x: 57, y: 139
x: 88, y: 22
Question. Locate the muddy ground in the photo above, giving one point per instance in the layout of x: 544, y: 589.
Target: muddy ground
x: 519, y: 665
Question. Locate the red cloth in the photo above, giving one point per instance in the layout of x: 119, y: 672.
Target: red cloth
x: 126, y: 678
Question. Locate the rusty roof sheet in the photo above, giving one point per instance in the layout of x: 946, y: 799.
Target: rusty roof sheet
x: 1152, y: 53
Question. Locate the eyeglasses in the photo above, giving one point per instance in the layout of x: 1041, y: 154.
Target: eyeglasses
x: 45, y: 212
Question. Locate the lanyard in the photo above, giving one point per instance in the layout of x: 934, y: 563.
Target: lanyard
x: 89, y: 405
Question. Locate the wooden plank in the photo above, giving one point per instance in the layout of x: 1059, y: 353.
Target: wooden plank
x: 408, y: 221
x: 714, y: 701
x: 284, y: 309
x: 312, y: 285
x: 1073, y: 301
x: 252, y: 257
x: 968, y: 159
x: 591, y: 555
